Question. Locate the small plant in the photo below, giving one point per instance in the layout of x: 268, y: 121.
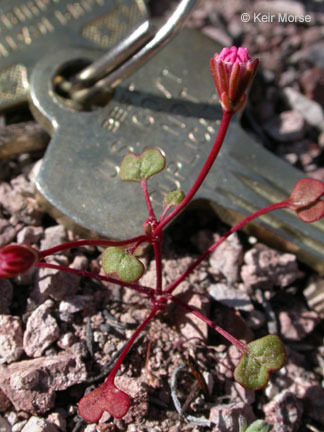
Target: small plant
x: 233, y: 71
x: 256, y: 426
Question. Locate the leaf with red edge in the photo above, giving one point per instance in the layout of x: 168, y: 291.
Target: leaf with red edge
x: 305, y: 200
x: 141, y: 167
x: 108, y: 398
x: 312, y: 213
x: 266, y: 354
x: 305, y: 192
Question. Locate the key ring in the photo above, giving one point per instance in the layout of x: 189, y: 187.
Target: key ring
x: 127, y: 55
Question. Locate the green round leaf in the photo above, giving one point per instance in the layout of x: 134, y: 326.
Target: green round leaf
x: 141, y: 167
x: 259, y: 426
x: 265, y: 354
x: 127, y: 267
x: 174, y: 198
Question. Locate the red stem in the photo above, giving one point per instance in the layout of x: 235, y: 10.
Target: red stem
x: 139, y: 288
x: 164, y: 212
x: 118, y: 363
x: 93, y: 242
x: 148, y: 200
x: 215, y: 327
x: 158, y: 265
x: 226, y: 118
x: 244, y: 221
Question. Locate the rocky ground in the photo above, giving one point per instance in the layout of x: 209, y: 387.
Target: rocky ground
x: 58, y: 332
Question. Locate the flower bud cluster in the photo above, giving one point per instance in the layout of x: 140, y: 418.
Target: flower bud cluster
x: 233, y: 72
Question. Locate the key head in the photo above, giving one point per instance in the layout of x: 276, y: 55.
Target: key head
x: 31, y: 30
x: 170, y: 103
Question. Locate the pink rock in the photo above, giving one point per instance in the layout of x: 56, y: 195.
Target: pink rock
x: 284, y: 412
x: 4, y: 402
x: 11, y: 338
x: 7, y: 232
x: 36, y: 424
x: 57, y: 419
x: 226, y: 416
x: 312, y: 82
x: 19, y: 201
x: 53, y: 236
x: 296, y: 323
x: 55, y: 283
x: 4, y: 425
x: 227, y: 258
x: 230, y: 297
x: 238, y: 393
x: 31, y: 384
x: 314, y: 294
x: 136, y: 390
x: 287, y: 126
x: 29, y: 235
x: 41, y: 330
x: 266, y: 268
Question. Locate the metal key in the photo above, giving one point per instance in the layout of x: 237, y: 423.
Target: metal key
x: 30, y: 30
x: 170, y: 103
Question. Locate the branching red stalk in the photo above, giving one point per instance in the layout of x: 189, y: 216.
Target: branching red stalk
x: 158, y: 265
x: 268, y: 209
x: 91, y: 242
x: 139, y: 288
x: 226, y: 118
x: 164, y: 213
x: 215, y: 327
x: 139, y: 329
x: 148, y: 200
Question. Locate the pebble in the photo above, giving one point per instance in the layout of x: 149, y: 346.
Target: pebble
x: 297, y: 322
x: 227, y: 258
x: 4, y: 425
x: 314, y: 294
x: 22, y: 380
x: 228, y: 415
x: 53, y: 236
x: 284, y: 412
x: 30, y: 235
x: 11, y: 338
x: 58, y: 419
x: 312, y: 83
x: 54, y: 283
x: 7, y: 232
x: 266, y: 268
x: 17, y: 427
x: 41, y: 330
x: 36, y: 424
x: 287, y: 126
x: 280, y: 6
x: 230, y: 297
x: 310, y: 110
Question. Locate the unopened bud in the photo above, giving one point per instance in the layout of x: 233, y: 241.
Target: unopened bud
x: 233, y: 72
x: 16, y: 259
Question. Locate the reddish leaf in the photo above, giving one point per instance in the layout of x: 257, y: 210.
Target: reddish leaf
x: 312, y: 213
x: 108, y: 398
x: 306, y: 192
x: 305, y: 200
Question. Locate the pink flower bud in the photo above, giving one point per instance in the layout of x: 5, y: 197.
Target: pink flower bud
x: 16, y: 259
x: 233, y: 72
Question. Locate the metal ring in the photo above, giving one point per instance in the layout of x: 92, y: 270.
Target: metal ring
x: 164, y: 34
